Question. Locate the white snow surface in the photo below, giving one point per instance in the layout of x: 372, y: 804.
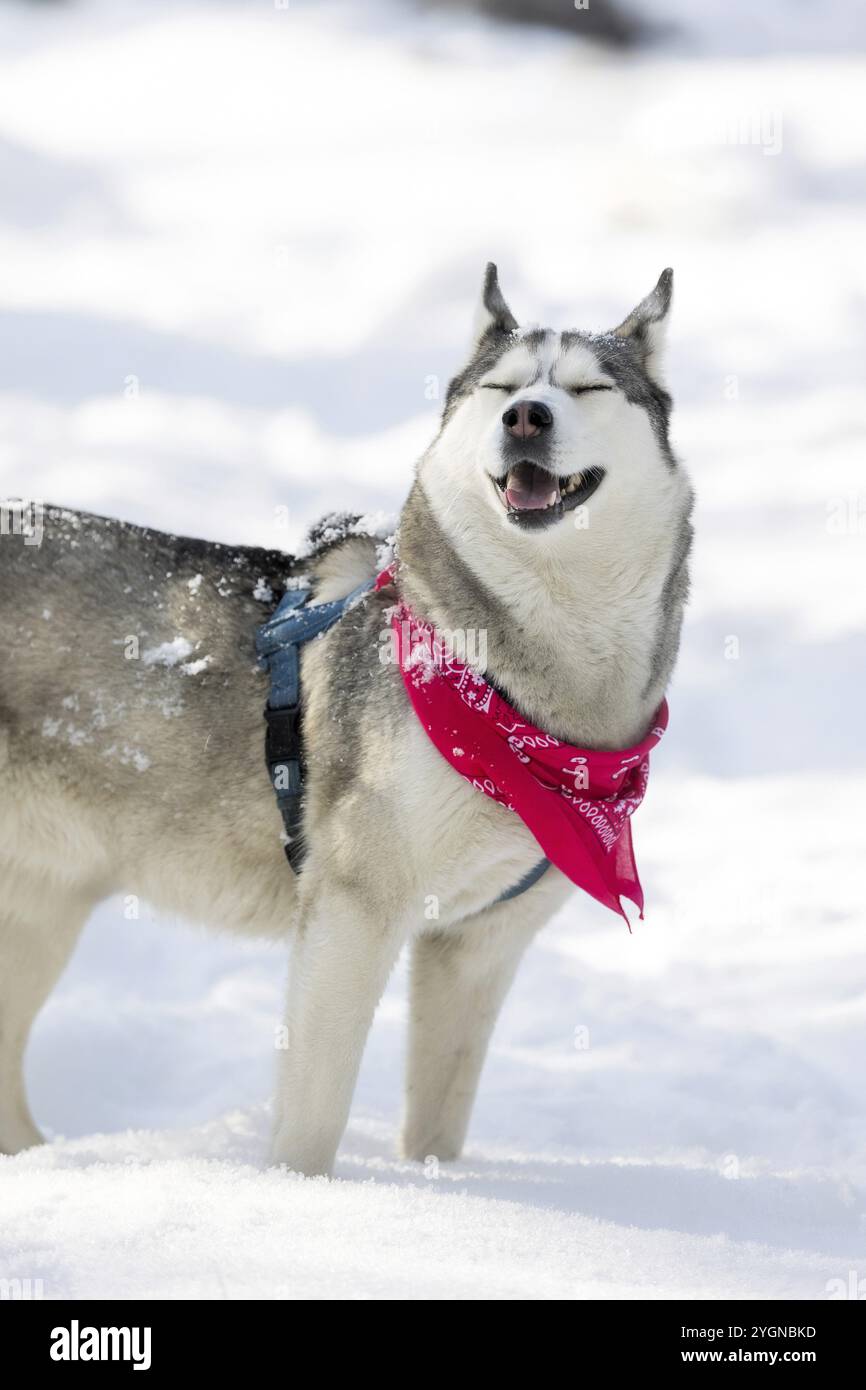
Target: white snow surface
x: 240, y: 251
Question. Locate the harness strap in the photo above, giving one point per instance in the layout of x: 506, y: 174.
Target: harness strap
x: 523, y: 884
x: 278, y: 646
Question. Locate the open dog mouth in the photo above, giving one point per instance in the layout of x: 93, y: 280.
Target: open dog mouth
x: 533, y: 496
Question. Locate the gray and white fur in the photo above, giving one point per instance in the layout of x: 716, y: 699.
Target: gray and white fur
x: 549, y: 514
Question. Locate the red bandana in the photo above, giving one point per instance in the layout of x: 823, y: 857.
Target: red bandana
x: 576, y: 801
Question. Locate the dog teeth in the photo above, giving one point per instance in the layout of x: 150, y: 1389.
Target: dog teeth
x: 572, y: 485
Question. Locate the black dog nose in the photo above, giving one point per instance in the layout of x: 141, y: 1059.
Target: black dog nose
x: 527, y: 419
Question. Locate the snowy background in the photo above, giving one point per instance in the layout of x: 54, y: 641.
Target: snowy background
x: 239, y: 251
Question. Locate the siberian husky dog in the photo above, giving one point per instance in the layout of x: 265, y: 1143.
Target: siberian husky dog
x: 550, y: 515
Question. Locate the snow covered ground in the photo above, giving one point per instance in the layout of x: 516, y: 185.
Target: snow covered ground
x: 239, y: 249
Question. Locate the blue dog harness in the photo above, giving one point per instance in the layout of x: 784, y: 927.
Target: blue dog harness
x: 278, y: 646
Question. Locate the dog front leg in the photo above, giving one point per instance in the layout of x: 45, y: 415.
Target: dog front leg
x: 459, y: 980
x: 341, y: 960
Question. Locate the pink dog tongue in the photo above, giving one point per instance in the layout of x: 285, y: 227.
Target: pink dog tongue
x: 529, y: 488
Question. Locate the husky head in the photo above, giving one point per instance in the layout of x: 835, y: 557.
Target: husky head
x: 555, y: 432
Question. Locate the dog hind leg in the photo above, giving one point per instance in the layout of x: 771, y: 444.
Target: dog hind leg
x: 40, y: 920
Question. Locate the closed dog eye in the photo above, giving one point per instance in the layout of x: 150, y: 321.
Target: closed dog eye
x: 494, y: 386
x: 582, y: 390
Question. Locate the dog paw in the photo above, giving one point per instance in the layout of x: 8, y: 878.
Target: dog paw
x: 420, y: 1150
x: 16, y: 1136
x: 310, y: 1160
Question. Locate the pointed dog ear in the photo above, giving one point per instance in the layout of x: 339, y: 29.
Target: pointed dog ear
x: 492, y: 314
x: 646, y: 325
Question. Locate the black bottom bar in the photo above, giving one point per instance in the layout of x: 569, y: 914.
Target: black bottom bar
x: 652, y: 1338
